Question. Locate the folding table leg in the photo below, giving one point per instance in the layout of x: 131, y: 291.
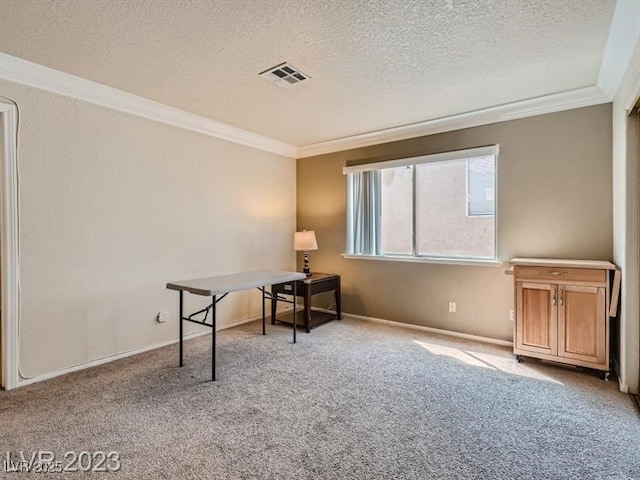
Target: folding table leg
x: 181, y: 315
x: 213, y: 339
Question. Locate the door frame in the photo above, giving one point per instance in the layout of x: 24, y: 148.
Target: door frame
x: 635, y: 110
x: 9, y: 247
x: 631, y: 316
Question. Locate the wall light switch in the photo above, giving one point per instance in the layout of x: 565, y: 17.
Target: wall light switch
x: 452, y: 307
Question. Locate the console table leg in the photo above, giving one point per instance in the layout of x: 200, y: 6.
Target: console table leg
x: 338, y: 300
x: 295, y: 314
x: 307, y: 309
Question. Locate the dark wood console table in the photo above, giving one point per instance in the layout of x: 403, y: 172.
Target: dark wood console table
x: 308, y: 287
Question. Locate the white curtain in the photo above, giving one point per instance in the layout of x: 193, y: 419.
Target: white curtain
x: 363, y: 213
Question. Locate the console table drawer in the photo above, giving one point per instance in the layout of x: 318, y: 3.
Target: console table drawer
x: 560, y: 275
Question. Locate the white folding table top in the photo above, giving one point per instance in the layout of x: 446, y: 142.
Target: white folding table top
x: 234, y: 282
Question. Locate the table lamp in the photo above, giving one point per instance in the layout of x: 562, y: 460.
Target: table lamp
x: 303, y: 242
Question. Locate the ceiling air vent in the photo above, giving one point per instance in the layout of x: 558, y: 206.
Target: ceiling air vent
x: 284, y: 75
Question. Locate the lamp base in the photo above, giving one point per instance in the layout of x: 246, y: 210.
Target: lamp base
x: 306, y: 269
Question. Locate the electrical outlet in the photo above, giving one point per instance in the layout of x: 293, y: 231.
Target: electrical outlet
x: 162, y: 317
x: 512, y: 315
x: 452, y: 307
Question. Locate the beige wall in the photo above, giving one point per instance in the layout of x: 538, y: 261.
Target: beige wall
x: 112, y: 207
x: 625, y: 190
x: 554, y: 200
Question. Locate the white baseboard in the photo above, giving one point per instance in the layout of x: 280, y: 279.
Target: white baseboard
x: 100, y: 361
x: 466, y: 336
x: 110, y: 358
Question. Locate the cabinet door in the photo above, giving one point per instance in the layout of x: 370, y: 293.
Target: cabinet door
x: 582, y: 323
x: 536, y: 317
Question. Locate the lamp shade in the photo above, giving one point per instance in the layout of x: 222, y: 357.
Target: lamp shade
x: 305, y: 241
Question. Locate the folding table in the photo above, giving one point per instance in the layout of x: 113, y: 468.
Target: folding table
x: 220, y: 286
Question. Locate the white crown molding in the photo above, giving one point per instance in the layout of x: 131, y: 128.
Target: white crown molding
x: 38, y: 76
x: 583, y: 97
x: 624, y: 34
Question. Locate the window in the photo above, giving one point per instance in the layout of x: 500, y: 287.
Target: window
x: 439, y: 206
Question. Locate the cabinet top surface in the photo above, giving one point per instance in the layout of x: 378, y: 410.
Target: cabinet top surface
x: 560, y: 262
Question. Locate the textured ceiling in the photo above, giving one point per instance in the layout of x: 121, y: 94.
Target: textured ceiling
x: 374, y: 64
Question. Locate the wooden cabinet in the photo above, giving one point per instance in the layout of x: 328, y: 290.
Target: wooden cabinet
x: 562, y: 310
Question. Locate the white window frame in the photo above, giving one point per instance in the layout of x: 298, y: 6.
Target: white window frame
x: 439, y: 157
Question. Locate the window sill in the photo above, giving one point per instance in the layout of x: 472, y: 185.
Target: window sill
x: 443, y: 261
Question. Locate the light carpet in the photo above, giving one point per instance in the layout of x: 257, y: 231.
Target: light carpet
x: 350, y: 400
